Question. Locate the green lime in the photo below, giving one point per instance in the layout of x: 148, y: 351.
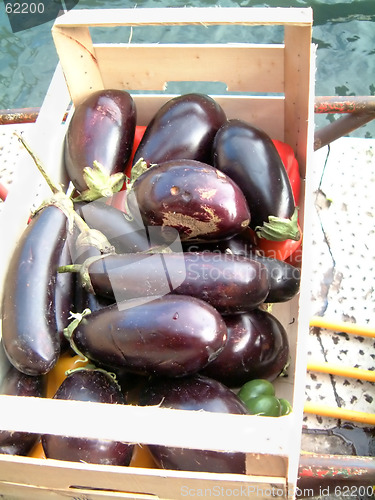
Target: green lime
x: 255, y: 388
x: 286, y: 407
x: 264, y: 405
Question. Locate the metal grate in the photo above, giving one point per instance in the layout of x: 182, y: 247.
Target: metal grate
x: 343, y: 279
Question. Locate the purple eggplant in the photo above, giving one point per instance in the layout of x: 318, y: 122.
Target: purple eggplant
x: 82, y: 248
x: 171, y: 336
x: 64, y: 292
x: 196, y: 199
x: 197, y: 393
x: 284, y: 279
x: 101, y: 130
x: 126, y: 235
x: 29, y: 331
x: 183, y: 128
x: 230, y: 283
x: 248, y: 155
x: 16, y: 383
x: 99, y: 387
x: 257, y: 347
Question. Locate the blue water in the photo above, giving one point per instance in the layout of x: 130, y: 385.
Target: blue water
x: 344, y: 32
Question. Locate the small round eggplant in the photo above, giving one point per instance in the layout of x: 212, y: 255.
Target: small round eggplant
x: 99, y: 387
x: 102, y: 130
x: 16, y: 383
x: 230, y: 283
x: 195, y: 393
x: 29, y: 331
x: 248, y: 155
x: 257, y: 347
x: 172, y: 336
x: 196, y: 199
x: 184, y: 128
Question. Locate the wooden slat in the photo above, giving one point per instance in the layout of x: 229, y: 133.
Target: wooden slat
x: 246, y: 68
x: 192, y: 15
x: 259, y: 110
x: 78, y: 60
x: 298, y: 101
x: 167, y: 484
x: 149, y: 425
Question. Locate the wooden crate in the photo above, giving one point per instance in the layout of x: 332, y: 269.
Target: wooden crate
x: 283, y: 73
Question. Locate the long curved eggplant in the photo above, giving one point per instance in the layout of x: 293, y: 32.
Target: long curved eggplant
x: 248, y: 155
x: 257, y: 347
x: 16, y: 383
x: 96, y: 386
x: 230, y: 283
x: 183, y: 128
x: 171, y: 336
x: 102, y: 130
x: 197, y: 393
x: 194, y: 198
x: 284, y: 278
x: 29, y: 331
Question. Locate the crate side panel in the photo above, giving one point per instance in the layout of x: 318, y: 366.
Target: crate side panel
x: 265, y: 112
x: 78, y: 59
x: 245, y: 68
x: 298, y: 90
x: 65, y: 476
x: 193, y: 15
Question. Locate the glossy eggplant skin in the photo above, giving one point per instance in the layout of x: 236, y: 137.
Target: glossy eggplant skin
x: 29, y: 331
x: 284, y: 278
x: 95, y: 386
x: 196, y: 199
x: 194, y: 393
x: 248, y: 155
x: 230, y: 283
x: 101, y: 129
x: 172, y: 336
x: 257, y: 347
x: 124, y: 234
x: 183, y: 128
x: 83, y: 297
x: 16, y: 383
x: 64, y: 292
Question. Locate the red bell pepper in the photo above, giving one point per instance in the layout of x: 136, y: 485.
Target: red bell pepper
x: 283, y: 250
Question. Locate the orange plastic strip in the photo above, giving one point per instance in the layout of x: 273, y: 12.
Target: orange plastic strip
x: 337, y: 326
x: 344, y: 371
x: 339, y: 413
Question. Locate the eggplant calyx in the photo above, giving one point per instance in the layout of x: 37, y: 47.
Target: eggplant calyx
x: 96, y: 239
x: 63, y: 203
x: 137, y: 170
x: 279, y: 228
x: 92, y: 367
x: 83, y: 270
x: 100, y: 183
x: 69, y: 330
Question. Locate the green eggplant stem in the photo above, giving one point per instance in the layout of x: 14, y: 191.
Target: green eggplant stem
x: 280, y: 229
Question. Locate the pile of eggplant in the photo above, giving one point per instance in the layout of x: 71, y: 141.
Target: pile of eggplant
x: 155, y: 276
